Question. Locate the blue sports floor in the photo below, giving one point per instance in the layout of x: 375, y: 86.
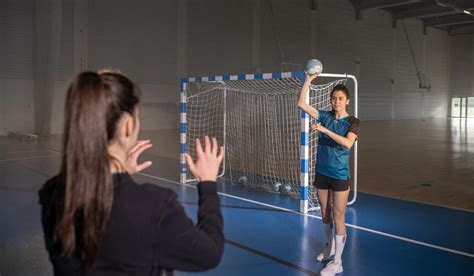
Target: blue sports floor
x: 385, y: 236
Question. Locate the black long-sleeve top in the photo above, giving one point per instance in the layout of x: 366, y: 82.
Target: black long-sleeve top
x: 148, y: 232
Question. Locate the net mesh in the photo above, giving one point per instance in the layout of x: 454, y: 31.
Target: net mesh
x: 259, y: 124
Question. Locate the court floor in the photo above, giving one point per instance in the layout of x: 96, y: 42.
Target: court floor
x: 428, y: 161
x: 264, y: 233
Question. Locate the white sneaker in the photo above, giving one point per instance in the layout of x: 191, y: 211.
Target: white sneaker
x: 332, y: 268
x: 327, y: 253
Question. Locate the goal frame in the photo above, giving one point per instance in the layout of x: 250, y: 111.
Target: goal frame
x: 305, y: 134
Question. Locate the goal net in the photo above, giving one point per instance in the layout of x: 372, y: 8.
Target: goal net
x: 263, y: 131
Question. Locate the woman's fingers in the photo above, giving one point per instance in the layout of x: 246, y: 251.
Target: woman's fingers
x: 139, y: 145
x: 215, y: 147
x: 220, y: 157
x: 143, y: 166
x: 199, y: 151
x: 190, y: 163
x: 208, y: 160
x: 141, y: 149
x: 207, y: 145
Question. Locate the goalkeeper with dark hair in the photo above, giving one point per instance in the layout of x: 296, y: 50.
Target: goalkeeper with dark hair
x: 337, y: 134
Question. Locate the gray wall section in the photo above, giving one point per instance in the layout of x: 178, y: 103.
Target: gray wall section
x: 285, y: 33
x: 235, y: 36
x: 407, y: 100
x: 462, y: 59
x: 137, y: 37
x: 437, y: 100
x: 65, y: 70
x: 219, y: 37
x: 16, y: 44
x: 334, y: 36
x: 375, y: 65
x: 140, y: 39
x: 16, y: 66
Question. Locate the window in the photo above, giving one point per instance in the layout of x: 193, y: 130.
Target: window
x: 470, y: 107
x: 456, y: 107
x: 462, y: 107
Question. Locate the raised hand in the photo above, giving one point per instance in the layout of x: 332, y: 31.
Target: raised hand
x: 206, y: 167
x: 309, y: 77
x: 134, y: 153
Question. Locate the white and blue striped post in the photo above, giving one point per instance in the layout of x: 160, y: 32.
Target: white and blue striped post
x: 304, y: 160
x: 183, y: 126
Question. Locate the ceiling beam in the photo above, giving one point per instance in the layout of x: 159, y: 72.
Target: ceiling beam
x: 461, y: 29
x: 381, y: 4
x: 423, y: 12
x: 459, y: 4
x: 448, y: 20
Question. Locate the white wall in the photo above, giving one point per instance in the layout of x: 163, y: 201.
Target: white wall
x: 334, y: 36
x: 234, y: 36
x: 16, y: 66
x: 371, y: 49
x: 140, y: 40
x: 219, y: 37
x: 438, y: 53
x: 462, y: 71
x: 376, y: 67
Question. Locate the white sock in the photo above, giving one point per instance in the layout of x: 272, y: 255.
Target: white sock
x: 328, y: 227
x: 340, y: 242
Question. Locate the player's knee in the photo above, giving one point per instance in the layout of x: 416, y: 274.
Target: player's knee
x: 326, y: 212
x: 339, y: 215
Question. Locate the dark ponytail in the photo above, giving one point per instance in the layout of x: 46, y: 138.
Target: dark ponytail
x: 95, y: 103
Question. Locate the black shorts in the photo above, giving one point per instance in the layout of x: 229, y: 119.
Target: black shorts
x: 328, y: 183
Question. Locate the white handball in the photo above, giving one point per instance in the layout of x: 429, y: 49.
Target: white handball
x: 286, y: 188
x: 314, y: 66
x: 276, y: 186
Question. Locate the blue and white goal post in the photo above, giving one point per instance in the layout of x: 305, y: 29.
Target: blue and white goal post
x: 305, y: 191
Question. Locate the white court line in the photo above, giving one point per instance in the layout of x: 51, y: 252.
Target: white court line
x: 26, y: 158
x: 318, y: 217
x: 407, y: 200
x: 23, y: 151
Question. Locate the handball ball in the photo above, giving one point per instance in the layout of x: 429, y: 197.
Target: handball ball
x: 314, y: 66
x: 286, y: 188
x: 276, y: 186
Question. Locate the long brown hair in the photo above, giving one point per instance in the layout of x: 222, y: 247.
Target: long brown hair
x: 95, y: 102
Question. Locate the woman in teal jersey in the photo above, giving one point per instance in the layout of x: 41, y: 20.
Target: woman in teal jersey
x: 337, y: 134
